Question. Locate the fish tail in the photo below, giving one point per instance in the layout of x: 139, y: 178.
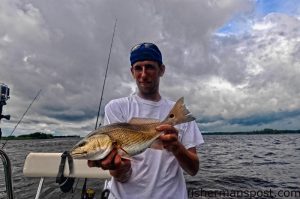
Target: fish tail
x: 179, y: 114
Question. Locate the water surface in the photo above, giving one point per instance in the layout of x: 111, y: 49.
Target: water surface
x: 252, y: 164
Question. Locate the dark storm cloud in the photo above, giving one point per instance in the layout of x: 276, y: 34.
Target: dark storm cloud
x: 264, y: 118
x: 62, y: 48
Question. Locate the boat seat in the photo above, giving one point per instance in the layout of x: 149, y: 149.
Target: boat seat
x: 47, y: 164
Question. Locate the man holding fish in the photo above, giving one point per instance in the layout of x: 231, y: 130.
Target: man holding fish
x: 139, y: 144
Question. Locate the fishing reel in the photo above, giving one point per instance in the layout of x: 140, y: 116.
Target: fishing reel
x: 4, y: 96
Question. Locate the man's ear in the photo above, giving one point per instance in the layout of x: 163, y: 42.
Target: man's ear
x: 162, y: 70
x: 131, y: 70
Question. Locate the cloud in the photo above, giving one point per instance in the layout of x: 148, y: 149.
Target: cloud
x: 264, y: 119
x: 62, y: 48
x: 257, y: 72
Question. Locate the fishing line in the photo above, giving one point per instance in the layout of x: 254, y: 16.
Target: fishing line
x: 101, y: 97
x: 23, y: 116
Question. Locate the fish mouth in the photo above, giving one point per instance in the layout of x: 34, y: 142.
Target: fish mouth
x: 77, y: 155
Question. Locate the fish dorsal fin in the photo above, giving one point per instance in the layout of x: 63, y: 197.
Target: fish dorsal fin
x: 179, y: 114
x: 136, y: 120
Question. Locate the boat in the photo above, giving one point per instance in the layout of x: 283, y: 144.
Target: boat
x: 46, y: 165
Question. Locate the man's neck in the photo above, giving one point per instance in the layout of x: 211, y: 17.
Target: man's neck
x: 153, y: 97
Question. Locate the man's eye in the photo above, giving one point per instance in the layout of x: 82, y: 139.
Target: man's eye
x: 150, y: 67
x: 137, y: 68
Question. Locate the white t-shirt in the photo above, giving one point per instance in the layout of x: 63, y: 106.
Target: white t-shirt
x: 155, y: 173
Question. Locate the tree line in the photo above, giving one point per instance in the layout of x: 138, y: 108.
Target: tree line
x: 36, y: 135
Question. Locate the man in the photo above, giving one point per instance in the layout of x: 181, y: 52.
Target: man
x: 153, y: 173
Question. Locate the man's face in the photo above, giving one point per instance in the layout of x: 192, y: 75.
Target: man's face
x: 147, y: 75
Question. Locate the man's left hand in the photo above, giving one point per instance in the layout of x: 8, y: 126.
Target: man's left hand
x: 169, y: 138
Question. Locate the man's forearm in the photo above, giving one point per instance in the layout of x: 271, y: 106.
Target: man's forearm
x: 187, y: 159
x: 121, y: 175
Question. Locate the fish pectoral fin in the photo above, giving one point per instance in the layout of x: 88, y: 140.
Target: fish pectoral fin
x: 119, y: 147
x: 126, y: 157
x: 157, y: 144
x: 124, y: 154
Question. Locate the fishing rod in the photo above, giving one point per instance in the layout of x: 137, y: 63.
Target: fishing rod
x: 106, y: 191
x: 103, y: 86
x: 39, y: 92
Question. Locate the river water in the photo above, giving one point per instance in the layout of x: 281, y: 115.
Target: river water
x: 232, y: 166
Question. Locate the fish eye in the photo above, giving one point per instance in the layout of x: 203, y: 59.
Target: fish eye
x: 171, y: 115
x: 81, y: 144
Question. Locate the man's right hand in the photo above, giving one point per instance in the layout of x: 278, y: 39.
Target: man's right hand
x: 118, y: 167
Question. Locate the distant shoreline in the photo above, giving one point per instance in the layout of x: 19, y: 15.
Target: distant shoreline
x: 39, y: 135
x: 261, y: 132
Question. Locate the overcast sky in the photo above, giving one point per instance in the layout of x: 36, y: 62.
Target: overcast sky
x: 237, y: 63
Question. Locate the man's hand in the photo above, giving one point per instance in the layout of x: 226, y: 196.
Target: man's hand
x: 118, y: 167
x: 187, y: 158
x: 169, y: 138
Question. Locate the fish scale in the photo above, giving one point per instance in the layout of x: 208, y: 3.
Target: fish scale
x: 134, y: 142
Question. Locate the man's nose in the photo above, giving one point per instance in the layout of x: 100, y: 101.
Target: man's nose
x: 144, y: 72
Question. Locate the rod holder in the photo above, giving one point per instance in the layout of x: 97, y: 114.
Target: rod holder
x: 8, y: 174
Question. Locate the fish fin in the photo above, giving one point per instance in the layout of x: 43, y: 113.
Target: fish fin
x: 124, y: 154
x: 178, y: 114
x: 119, y: 147
x: 127, y: 157
x: 136, y: 120
x: 157, y: 144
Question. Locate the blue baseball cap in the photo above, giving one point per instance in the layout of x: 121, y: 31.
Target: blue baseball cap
x: 145, y: 51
